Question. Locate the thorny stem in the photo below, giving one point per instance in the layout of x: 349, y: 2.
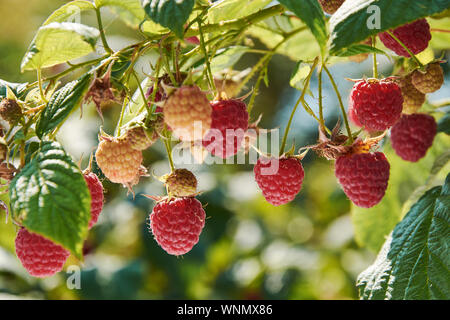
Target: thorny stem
x: 41, y: 90
x: 205, y: 54
x: 300, y: 99
x: 375, y: 65
x: 251, y: 103
x: 122, y: 114
x: 167, y: 144
x: 146, y: 105
x: 321, y: 121
x: 102, y: 31
x: 344, y: 114
x: 406, y: 48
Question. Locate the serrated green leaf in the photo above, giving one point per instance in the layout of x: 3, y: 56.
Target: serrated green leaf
x: 358, y: 49
x: 57, y: 42
x: 299, y: 74
x: 415, y: 260
x: 50, y: 197
x: 311, y: 13
x: 69, y: 12
x: 171, y: 14
x: 350, y: 23
x: 234, y: 9
x: 19, y: 89
x: 130, y: 11
x: 61, y: 104
x: 372, y: 226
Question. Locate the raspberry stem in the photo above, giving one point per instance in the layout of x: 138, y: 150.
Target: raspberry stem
x: 205, y: 54
x: 406, y: 48
x: 321, y: 121
x: 341, y: 105
x: 300, y: 99
x: 102, y: 31
x: 167, y: 144
x: 375, y: 64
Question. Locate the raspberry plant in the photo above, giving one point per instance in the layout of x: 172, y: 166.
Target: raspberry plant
x: 54, y: 202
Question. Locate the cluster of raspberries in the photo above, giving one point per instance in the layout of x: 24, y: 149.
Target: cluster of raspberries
x: 220, y: 126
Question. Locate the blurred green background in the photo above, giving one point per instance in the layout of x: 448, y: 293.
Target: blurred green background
x: 248, y: 249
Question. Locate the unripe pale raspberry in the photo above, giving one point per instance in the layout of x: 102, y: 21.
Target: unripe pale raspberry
x: 413, y: 135
x: 280, y: 180
x: 364, y: 177
x: 331, y: 6
x: 429, y: 81
x: 181, y: 183
x: 10, y: 111
x: 186, y: 111
x: 118, y: 161
x: 40, y: 256
x: 228, y: 127
x: 415, y: 36
x: 413, y: 99
x: 177, y: 224
x: 376, y: 104
x: 96, y: 190
x: 140, y: 138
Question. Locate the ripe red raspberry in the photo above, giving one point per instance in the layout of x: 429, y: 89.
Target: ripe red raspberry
x: 10, y: 111
x: 413, y: 135
x: 228, y: 127
x: 118, y: 161
x: 186, y: 111
x: 413, y: 99
x: 429, y: 81
x: 181, y: 183
x: 377, y: 104
x: 415, y: 36
x: 40, y: 256
x: 177, y: 224
x: 364, y: 177
x: 280, y: 180
x: 331, y: 6
x: 96, y: 190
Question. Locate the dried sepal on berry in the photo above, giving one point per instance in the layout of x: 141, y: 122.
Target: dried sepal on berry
x: 100, y: 92
x: 10, y: 111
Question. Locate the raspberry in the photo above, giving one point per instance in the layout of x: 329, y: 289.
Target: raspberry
x: 331, y: 6
x: 96, y: 190
x: 177, y: 224
x: 364, y: 177
x: 352, y: 116
x: 228, y: 127
x: 118, y: 161
x: 415, y: 36
x: 429, y: 81
x: 181, y: 183
x: 7, y: 171
x: 140, y: 138
x: 377, y: 104
x: 186, y: 111
x: 413, y: 135
x: 413, y: 99
x: 280, y: 180
x: 10, y: 111
x: 40, y: 256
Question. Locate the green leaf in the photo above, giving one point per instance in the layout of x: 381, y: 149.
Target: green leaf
x: 50, y: 197
x: 19, y: 89
x: 61, y: 104
x: 310, y: 12
x: 299, y: 74
x: 130, y: 11
x: 301, y: 46
x: 69, y: 12
x: 358, y: 49
x: 353, y: 22
x: 57, y: 42
x: 234, y: 9
x: 444, y: 124
x: 415, y: 260
x: 171, y: 14
x: 372, y: 226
